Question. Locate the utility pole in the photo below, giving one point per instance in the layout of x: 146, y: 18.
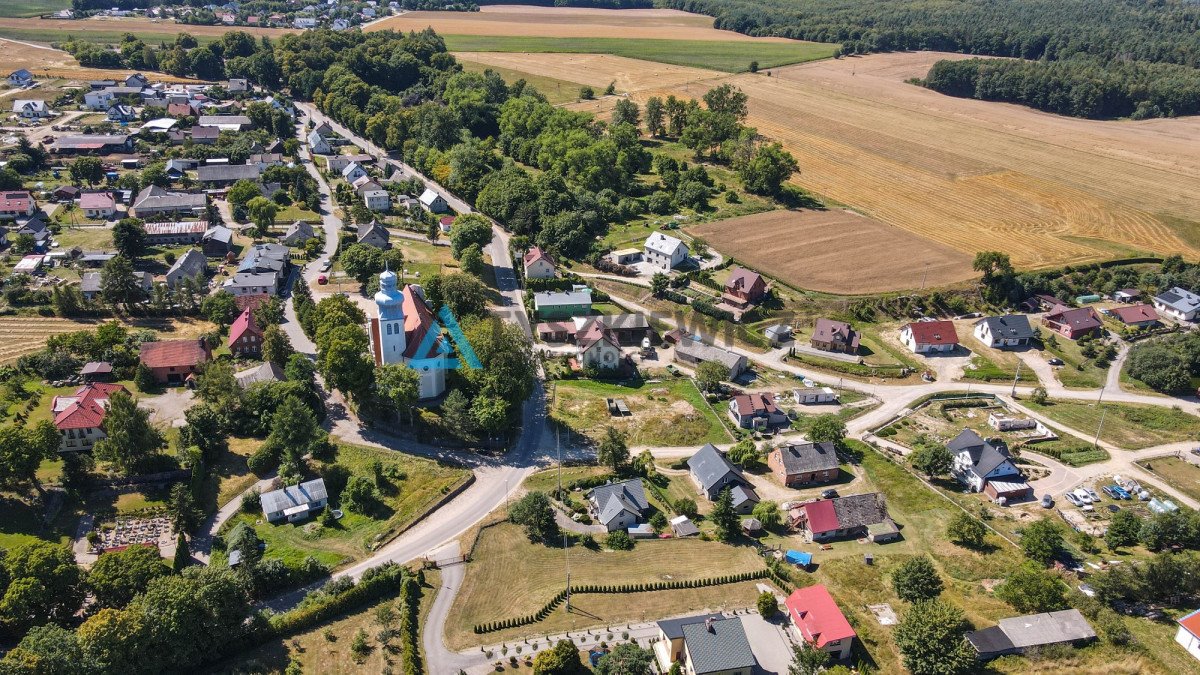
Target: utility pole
x: 1015, y: 378
x: 923, y: 274
x: 566, y: 551
x: 1096, y: 442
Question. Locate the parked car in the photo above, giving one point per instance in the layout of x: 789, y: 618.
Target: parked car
x: 322, y: 280
x: 1092, y: 493
x: 829, y: 494
x: 1122, y: 493
x: 1047, y: 501
x: 1111, y: 491
x: 1054, y: 361
x: 325, y: 265
x: 1083, y: 496
x: 1070, y: 497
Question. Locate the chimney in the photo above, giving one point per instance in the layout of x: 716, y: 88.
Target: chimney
x: 708, y: 625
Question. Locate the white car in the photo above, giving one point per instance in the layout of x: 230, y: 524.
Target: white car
x: 1083, y: 496
x: 1092, y: 493
x: 1070, y: 496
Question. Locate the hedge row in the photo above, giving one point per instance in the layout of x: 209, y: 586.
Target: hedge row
x: 617, y: 588
x: 410, y: 649
x: 375, y: 584
x: 705, y: 306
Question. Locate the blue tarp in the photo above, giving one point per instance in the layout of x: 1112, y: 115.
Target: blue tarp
x: 798, y: 557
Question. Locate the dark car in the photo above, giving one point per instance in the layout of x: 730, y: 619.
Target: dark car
x: 1054, y: 361
x: 829, y: 494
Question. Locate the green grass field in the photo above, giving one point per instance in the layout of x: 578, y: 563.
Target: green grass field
x: 1178, y: 473
x: 731, y: 57
x: 1127, y: 426
x: 28, y: 8
x: 665, y: 413
x: 555, y: 90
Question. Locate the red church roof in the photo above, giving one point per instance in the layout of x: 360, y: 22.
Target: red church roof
x: 817, y: 616
x: 242, y: 326
x: 88, y: 407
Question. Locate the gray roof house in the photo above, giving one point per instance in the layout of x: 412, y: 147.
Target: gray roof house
x: 295, y: 502
x: 190, y: 264
x: 713, y: 473
x: 1016, y: 634
x: 318, y: 144
x: 227, y: 174
x: 694, y: 352
x: 1004, y: 332
x: 298, y: 233
x: 154, y: 200
x: 619, y: 506
x: 799, y: 464
x: 976, y: 461
x: 717, y: 646
x: 92, y: 282
x: 1178, y: 303
x: 373, y: 234
x: 267, y: 372
x: 252, y: 283
x: 225, y: 122
x: 217, y: 241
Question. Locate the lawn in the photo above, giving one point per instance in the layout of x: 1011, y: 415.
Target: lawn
x: 545, y: 481
x: 22, y: 523
x: 667, y: 412
x: 230, y: 476
x: 1126, y: 425
x: 1079, y: 372
x: 732, y: 57
x: 1069, y: 450
x: 555, y: 90
x: 86, y: 238
x: 1176, y: 472
x: 510, y: 577
x: 402, y: 500
x: 28, y: 8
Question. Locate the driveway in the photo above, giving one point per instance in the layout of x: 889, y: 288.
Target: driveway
x: 167, y: 408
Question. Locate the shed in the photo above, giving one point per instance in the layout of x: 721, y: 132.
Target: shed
x: 643, y: 531
x: 682, y: 526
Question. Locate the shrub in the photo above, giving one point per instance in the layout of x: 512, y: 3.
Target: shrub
x: 619, y: 541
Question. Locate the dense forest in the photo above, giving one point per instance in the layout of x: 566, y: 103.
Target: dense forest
x: 1092, y: 57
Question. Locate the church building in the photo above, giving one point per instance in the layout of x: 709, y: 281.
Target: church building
x: 397, y: 331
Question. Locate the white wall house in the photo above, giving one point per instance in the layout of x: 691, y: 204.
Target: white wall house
x: 664, y: 251
x: 1188, y: 635
x: 377, y: 200
x: 1178, y: 303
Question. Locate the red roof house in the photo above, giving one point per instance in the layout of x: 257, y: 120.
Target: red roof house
x: 820, y: 620
x: 929, y: 336
x: 538, y: 265
x: 245, y: 338
x: 744, y: 288
x: 172, y: 361
x: 80, y: 417
x: 1072, y: 323
x: 756, y: 409
x: 1136, y: 315
x: 14, y: 204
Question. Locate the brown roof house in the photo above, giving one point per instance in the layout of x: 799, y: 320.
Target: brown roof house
x: 756, y: 410
x: 801, y: 464
x: 852, y: 517
x: 1072, y: 323
x: 172, y: 361
x: 834, y: 336
x: 744, y: 288
x: 1138, y: 316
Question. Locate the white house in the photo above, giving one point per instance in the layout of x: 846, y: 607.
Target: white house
x: 98, y: 205
x: 538, y: 264
x: 31, y: 109
x: 295, y: 502
x: 303, y: 22
x: 1188, y: 634
x: 923, y: 337
x: 377, y: 200
x: 664, y: 251
x: 353, y: 172
x: 1178, y: 303
x: 433, y: 201
x: 318, y: 144
x: 976, y: 461
x: 598, y: 347
x: 20, y: 78
x: 99, y: 99
x: 1004, y: 332
x: 811, y: 394
x: 619, y: 506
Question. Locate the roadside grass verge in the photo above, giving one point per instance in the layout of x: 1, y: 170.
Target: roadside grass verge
x: 1126, y: 425
x: 1178, y: 473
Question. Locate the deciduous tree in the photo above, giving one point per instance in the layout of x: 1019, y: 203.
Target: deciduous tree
x: 916, y: 579
x: 130, y: 438
x: 930, y: 638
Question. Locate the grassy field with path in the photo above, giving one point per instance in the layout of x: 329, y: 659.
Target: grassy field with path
x: 1178, y: 473
x: 1126, y: 425
x: 667, y: 412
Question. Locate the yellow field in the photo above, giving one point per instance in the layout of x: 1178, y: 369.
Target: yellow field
x: 60, y: 28
x: 47, y: 62
x: 664, y: 24
x: 598, y: 70
x: 971, y: 175
x: 20, y: 335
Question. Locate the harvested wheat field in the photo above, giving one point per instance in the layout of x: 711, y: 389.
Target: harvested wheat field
x: 835, y: 251
x: 110, y: 29
x: 976, y: 175
x: 598, y: 70
x: 577, y: 22
x: 20, y: 335
x: 47, y: 62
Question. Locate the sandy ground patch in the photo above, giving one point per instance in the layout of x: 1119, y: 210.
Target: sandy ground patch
x: 597, y: 70
x: 663, y: 24
x: 810, y: 249
x: 47, y: 62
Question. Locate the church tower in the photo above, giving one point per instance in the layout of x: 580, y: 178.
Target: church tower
x: 390, y: 302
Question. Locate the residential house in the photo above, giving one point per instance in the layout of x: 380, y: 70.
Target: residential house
x: 1004, y: 332
x: 979, y: 463
x: 33, y: 226
x: 925, y: 337
x: 30, y: 264
x: 79, y: 417
x: 744, y: 288
x: 756, y: 410
x: 179, y: 233
x: 664, y: 251
x: 252, y: 283
x: 16, y: 204
x: 237, y: 85
x: 1178, y: 303
x: 101, y: 144
x: 714, y: 473
x: 305, y: 22
x: 598, y: 347
x: 202, y: 135
x: 225, y: 122
x: 265, y: 373
x: 850, y: 517
x: 629, y: 329
x: 245, y: 337
x: 183, y: 110
x: 154, y: 201
x: 266, y: 160
x: 20, y: 78
x: 216, y: 175
x: 364, y: 184
x: 178, y: 168
x: 1188, y: 634
x: 693, y: 352
x: 562, y: 304
x: 137, y: 81
x: 377, y: 200
x: 1072, y: 323
x: 820, y: 621
x: 811, y: 394
x: 433, y: 202
x: 91, y: 284
x: 299, y: 232
x: 122, y: 113
x: 400, y: 333
x: 778, y: 334
x: 217, y: 241
x: 538, y: 264
x: 709, y: 644
x: 190, y: 265
x: 374, y: 234
x: 802, y: 464
x: 353, y: 172
x: 1017, y: 634
x: 619, y: 506
x: 1127, y: 295
x: 834, y: 336
x: 31, y: 109
x: 98, y: 205
x: 1136, y: 316
x: 324, y: 128
x: 65, y: 193
x: 174, y: 361
x: 100, y: 99
x: 295, y: 502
